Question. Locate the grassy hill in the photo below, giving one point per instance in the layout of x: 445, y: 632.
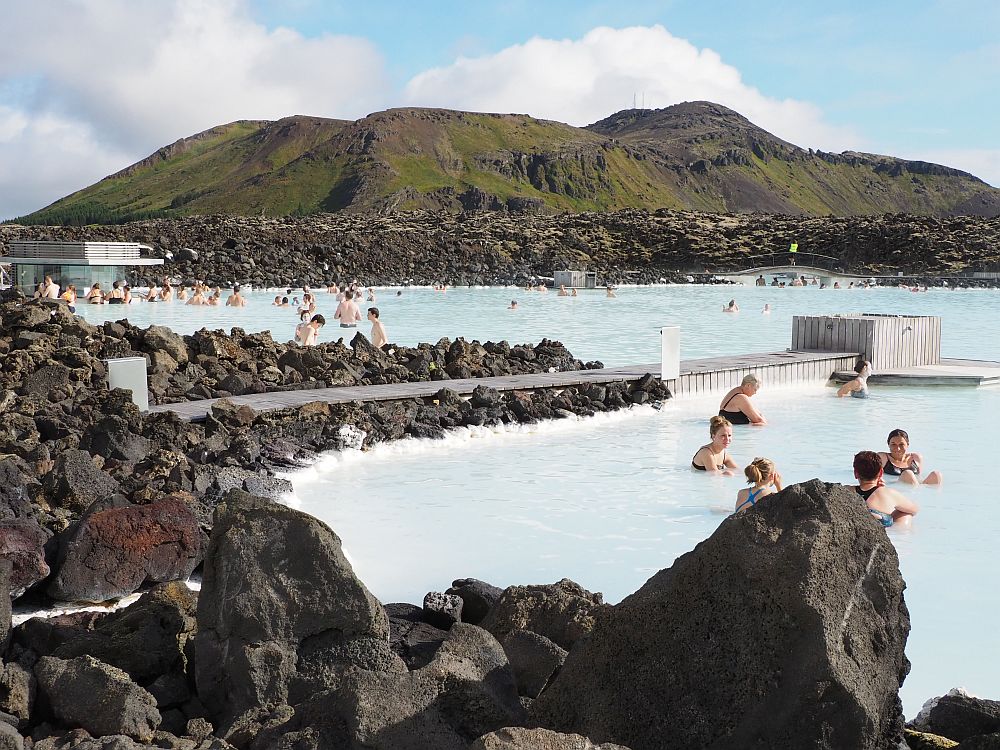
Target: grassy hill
x: 695, y: 155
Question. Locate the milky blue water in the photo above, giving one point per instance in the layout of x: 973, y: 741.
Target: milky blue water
x: 609, y: 501
x: 617, y: 331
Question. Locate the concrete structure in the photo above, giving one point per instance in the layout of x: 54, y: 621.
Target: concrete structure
x: 577, y: 279
x: 79, y: 263
x: 130, y: 373
x: 670, y: 353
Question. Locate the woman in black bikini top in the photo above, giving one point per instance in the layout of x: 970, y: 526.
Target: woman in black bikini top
x: 721, y: 433
x: 899, y: 462
x: 748, y: 387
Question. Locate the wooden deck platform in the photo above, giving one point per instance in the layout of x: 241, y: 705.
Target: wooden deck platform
x: 696, y: 376
x: 950, y: 372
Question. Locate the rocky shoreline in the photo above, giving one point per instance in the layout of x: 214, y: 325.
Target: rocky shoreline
x: 498, y: 248
x: 285, y: 648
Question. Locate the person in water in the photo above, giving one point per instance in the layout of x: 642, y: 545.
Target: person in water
x: 379, y: 337
x: 310, y: 336
x: 899, y: 462
x: 736, y: 406
x: 513, y: 305
x: 858, y: 387
x: 884, y: 503
x: 732, y: 307
x: 714, y: 457
x: 767, y: 309
x: 764, y: 480
x: 236, y: 299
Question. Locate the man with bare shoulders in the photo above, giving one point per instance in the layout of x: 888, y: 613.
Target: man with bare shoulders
x: 50, y: 289
x: 310, y: 337
x: 348, y: 312
x: 379, y: 338
x: 236, y: 299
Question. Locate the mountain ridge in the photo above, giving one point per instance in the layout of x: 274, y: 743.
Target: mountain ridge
x: 691, y: 156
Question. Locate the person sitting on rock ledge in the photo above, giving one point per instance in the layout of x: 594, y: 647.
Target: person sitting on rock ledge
x: 713, y: 458
x: 736, y: 406
x: 765, y: 479
x: 884, y: 503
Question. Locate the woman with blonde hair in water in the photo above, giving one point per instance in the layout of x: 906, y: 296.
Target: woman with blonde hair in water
x: 764, y: 480
x: 713, y: 457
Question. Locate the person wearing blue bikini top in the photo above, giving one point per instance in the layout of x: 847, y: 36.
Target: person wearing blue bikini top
x: 764, y: 480
x: 885, y: 504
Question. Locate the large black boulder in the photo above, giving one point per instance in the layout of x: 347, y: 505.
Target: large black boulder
x: 959, y: 716
x: 784, y: 629
x: 466, y: 691
x: 75, y: 482
x: 89, y: 694
x: 147, y: 639
x: 280, y: 611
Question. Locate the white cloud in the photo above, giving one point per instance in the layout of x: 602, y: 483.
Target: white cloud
x: 128, y: 77
x: 582, y: 81
x: 45, y: 157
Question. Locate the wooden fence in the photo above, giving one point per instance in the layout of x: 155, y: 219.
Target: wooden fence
x: 887, y: 341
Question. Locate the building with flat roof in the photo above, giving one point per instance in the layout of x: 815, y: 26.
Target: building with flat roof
x: 79, y: 263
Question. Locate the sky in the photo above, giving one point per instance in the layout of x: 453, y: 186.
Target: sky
x: 88, y: 87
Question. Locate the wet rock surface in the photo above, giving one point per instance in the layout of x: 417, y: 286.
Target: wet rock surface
x: 280, y: 608
x: 785, y: 628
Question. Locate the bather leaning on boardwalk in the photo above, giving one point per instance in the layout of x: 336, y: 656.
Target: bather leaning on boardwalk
x: 736, y: 405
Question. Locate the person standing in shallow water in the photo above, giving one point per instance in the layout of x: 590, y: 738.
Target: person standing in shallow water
x: 310, y: 336
x: 379, y: 338
x: 236, y: 299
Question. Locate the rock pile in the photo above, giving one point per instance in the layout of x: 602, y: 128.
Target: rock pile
x: 500, y: 248
x: 100, y: 499
x: 785, y: 629
x: 53, y: 354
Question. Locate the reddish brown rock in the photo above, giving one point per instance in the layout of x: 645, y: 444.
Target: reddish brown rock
x: 112, y: 552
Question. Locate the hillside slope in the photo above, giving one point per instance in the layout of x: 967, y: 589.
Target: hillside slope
x: 695, y: 155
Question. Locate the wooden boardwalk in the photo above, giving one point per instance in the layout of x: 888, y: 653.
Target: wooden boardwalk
x: 697, y: 376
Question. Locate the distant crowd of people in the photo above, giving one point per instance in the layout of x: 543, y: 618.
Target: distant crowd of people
x: 347, y: 313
